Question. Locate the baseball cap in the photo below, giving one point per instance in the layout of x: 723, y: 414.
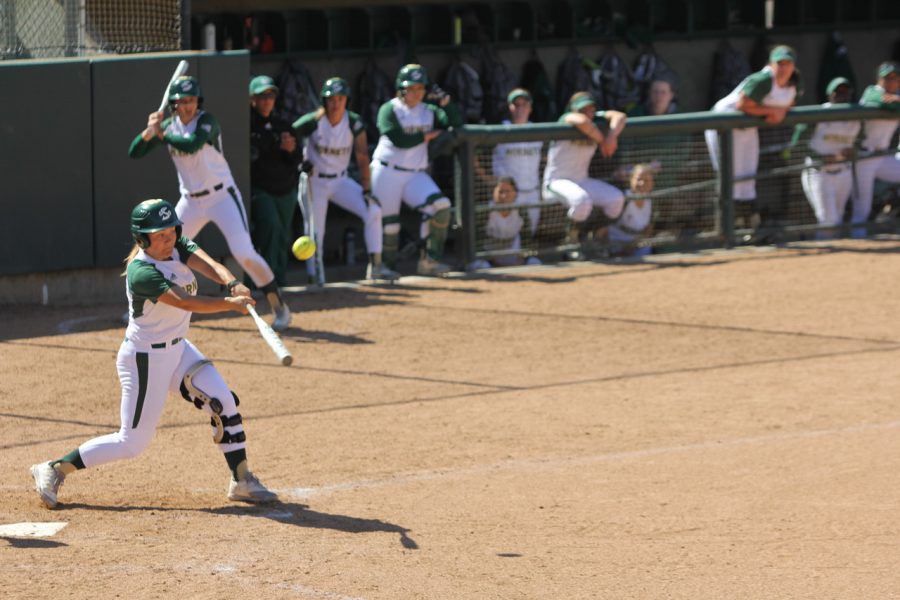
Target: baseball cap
x: 782, y: 53
x: 261, y: 83
x: 518, y: 93
x: 583, y: 100
x: 836, y: 83
x: 886, y: 68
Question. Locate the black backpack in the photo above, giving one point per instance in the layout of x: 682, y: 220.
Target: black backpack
x: 648, y: 67
x: 373, y: 88
x: 613, y: 83
x: 730, y: 67
x: 571, y: 77
x: 498, y: 79
x: 461, y: 81
x: 297, y: 93
x: 537, y: 82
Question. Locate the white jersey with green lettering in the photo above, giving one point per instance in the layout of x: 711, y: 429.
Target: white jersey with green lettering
x: 328, y: 147
x: 519, y: 160
x: 200, y: 161
x: 146, y: 279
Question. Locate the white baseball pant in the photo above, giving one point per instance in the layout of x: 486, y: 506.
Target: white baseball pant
x: 147, y: 376
x: 392, y: 187
x: 827, y: 190
x: 582, y: 195
x: 886, y: 168
x: 745, y: 153
x: 348, y: 194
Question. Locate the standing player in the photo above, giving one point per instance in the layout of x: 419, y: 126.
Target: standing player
x: 877, y: 134
x: 568, y: 161
x: 828, y: 178
x: 274, y: 158
x: 768, y: 93
x: 400, y: 164
x: 332, y: 133
x: 522, y: 162
x: 156, y: 358
x: 208, y: 191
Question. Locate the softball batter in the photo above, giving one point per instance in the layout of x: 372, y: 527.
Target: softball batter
x: 208, y: 191
x: 877, y: 134
x: 521, y: 161
x: 332, y: 132
x: 156, y: 358
x: 566, y: 174
x: 828, y: 186
x: 767, y: 93
x: 400, y: 165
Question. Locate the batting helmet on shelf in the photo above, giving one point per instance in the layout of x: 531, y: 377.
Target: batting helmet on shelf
x: 335, y: 86
x: 411, y: 74
x: 184, y: 87
x: 151, y: 216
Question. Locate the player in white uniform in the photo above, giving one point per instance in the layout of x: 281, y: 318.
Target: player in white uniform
x: 634, y: 222
x: 156, y: 358
x: 208, y: 191
x: 400, y: 165
x: 332, y: 133
x: 768, y: 93
x: 568, y: 161
x: 829, y: 177
x: 521, y: 161
x: 877, y: 134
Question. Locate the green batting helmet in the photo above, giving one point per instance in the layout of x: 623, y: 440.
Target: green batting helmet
x: 150, y: 216
x: 335, y: 86
x: 411, y: 74
x: 184, y: 87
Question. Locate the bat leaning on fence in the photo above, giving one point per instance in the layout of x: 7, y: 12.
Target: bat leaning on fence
x: 309, y: 224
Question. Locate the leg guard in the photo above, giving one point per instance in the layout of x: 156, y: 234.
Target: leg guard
x: 391, y: 241
x: 199, y: 398
x: 437, y: 219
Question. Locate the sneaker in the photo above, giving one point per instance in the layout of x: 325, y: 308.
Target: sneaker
x: 429, y: 266
x: 282, y: 318
x: 47, y: 481
x: 478, y: 264
x: 374, y: 273
x: 249, y: 489
x: 533, y: 260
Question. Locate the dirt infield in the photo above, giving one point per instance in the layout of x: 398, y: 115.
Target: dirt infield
x: 710, y: 426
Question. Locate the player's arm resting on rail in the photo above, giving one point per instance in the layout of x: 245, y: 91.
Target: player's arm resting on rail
x: 878, y: 98
x: 207, y: 129
x: 750, y: 99
x: 361, y: 151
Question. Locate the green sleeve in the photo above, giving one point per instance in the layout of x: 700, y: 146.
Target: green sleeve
x: 447, y: 116
x: 207, y: 129
x: 145, y: 281
x: 389, y: 125
x: 356, y: 124
x: 186, y: 247
x: 757, y: 86
x: 872, y: 96
x: 306, y: 125
x: 139, y: 148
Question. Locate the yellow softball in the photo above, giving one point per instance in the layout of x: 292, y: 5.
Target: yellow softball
x: 304, y: 247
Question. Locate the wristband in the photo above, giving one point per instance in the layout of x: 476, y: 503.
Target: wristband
x: 232, y: 284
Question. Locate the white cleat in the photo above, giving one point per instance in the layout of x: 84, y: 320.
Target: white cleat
x: 429, y: 266
x: 249, y: 489
x: 47, y: 481
x: 533, y: 260
x: 282, y: 318
x: 478, y: 264
x: 381, y: 273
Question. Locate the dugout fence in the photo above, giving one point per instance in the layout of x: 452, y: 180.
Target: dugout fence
x: 692, y: 202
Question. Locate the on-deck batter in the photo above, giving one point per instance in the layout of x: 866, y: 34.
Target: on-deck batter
x: 208, y: 191
x: 156, y: 358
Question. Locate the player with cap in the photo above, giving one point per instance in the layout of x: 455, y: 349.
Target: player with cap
x: 568, y: 162
x: 521, y: 161
x: 828, y: 178
x: 333, y: 133
x: 768, y: 93
x: 274, y: 158
x: 407, y: 123
x: 208, y: 191
x: 877, y: 135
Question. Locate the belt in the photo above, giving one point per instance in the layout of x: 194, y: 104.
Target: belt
x: 331, y: 175
x: 216, y: 188
x: 162, y: 344
x: 404, y: 169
